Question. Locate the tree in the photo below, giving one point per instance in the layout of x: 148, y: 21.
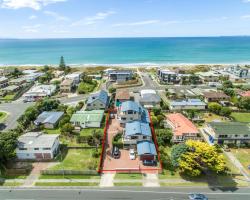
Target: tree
x: 16, y: 73
x: 164, y: 136
x: 176, y: 153
x: 225, y: 111
x: 154, y: 120
x: 244, y: 103
x: 64, y: 120
x: 8, y: 143
x: 201, y: 158
x: 229, y: 91
x: 67, y: 128
x: 62, y: 65
x: 215, y: 108
x: 227, y: 84
x: 194, y: 79
x: 156, y: 111
x: 112, y: 90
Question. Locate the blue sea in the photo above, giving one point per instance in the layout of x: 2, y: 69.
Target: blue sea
x: 126, y: 51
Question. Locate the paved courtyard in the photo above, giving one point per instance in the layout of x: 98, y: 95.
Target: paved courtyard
x: 123, y: 163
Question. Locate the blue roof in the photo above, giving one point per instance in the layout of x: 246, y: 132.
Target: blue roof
x: 137, y: 128
x: 130, y: 105
x: 145, y: 116
x: 146, y: 147
x: 48, y: 117
x: 101, y: 95
x: 188, y: 102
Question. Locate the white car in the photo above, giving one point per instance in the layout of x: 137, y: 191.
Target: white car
x: 132, y: 154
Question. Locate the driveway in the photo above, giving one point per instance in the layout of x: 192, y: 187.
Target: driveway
x: 124, y: 163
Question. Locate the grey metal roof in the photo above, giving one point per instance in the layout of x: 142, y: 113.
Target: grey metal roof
x: 48, y: 117
x: 150, y: 98
x: 101, y: 95
x: 137, y: 128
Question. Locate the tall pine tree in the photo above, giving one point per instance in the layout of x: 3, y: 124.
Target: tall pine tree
x: 62, y: 65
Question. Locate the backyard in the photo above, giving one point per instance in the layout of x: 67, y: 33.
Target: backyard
x: 78, y: 159
x: 241, y: 117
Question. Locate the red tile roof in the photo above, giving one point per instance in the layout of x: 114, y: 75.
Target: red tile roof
x: 245, y: 94
x: 181, y: 124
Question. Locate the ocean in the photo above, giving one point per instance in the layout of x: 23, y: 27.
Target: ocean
x: 126, y: 51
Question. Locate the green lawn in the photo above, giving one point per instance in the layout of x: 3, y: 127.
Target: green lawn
x: 243, y: 155
x: 3, y: 116
x: 9, y: 97
x: 77, y: 159
x: 128, y: 184
x: 89, y: 131
x: 210, y: 117
x: 241, y: 117
x: 128, y: 176
x: 13, y: 176
x: 52, y: 131
x: 69, y: 177
x: 11, y: 184
x: 65, y: 184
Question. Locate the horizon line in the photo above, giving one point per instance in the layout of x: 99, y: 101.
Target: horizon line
x: 128, y: 37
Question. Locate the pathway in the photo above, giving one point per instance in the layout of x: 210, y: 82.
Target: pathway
x: 107, y: 180
x: 35, y: 173
x: 151, y: 180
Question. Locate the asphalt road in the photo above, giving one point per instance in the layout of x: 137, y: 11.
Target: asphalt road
x: 122, y: 194
x: 14, y: 110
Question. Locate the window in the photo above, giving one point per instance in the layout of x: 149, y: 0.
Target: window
x: 246, y: 136
x: 124, y: 118
x: 134, y: 137
x: 36, y: 149
x: 22, y: 149
x: 130, y: 112
x: 144, y: 137
x: 46, y: 148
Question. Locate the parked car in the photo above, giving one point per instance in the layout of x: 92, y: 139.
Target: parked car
x: 197, y: 197
x: 149, y: 162
x: 132, y: 154
x: 116, y: 153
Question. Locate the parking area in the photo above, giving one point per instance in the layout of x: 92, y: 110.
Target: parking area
x: 123, y: 163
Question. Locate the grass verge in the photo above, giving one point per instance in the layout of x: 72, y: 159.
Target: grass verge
x: 65, y: 184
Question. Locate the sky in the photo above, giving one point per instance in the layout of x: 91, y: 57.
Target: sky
x: 123, y: 18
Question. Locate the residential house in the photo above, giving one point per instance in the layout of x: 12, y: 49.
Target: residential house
x: 183, y: 129
x: 146, y: 150
x: 236, y: 133
x: 121, y: 96
x: 98, y: 101
x: 87, y: 119
x: 167, y: 76
x: 3, y: 82
x: 189, y: 104
x: 245, y: 94
x: 37, y: 146
x: 239, y: 72
x: 120, y: 76
x: 210, y: 76
x: 66, y: 86
x: 215, y: 97
x: 38, y: 92
x: 76, y: 77
x: 149, y: 99
x: 58, y: 73
x: 131, y: 111
x: 32, y: 75
x: 134, y: 132
x: 11, y: 89
x: 49, y: 119
x: 95, y: 76
x: 18, y: 81
x: 6, y: 71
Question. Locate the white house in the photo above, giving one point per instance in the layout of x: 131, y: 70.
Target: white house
x: 76, y: 77
x: 189, y: 104
x: 37, y: 146
x: 130, y: 111
x: 38, y: 92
